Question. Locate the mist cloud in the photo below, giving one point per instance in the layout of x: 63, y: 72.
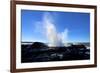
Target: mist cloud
x: 50, y: 31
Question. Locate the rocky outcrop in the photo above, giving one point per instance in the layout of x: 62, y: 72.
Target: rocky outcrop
x: 39, y: 45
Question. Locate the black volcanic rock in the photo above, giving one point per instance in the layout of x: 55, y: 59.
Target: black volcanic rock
x: 39, y: 45
x: 78, y: 46
x: 40, y: 52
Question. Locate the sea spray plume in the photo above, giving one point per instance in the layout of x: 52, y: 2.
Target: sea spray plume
x: 64, y: 36
x: 47, y: 27
x: 51, y: 31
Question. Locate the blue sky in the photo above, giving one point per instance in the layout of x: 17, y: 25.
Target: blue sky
x: 77, y: 25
